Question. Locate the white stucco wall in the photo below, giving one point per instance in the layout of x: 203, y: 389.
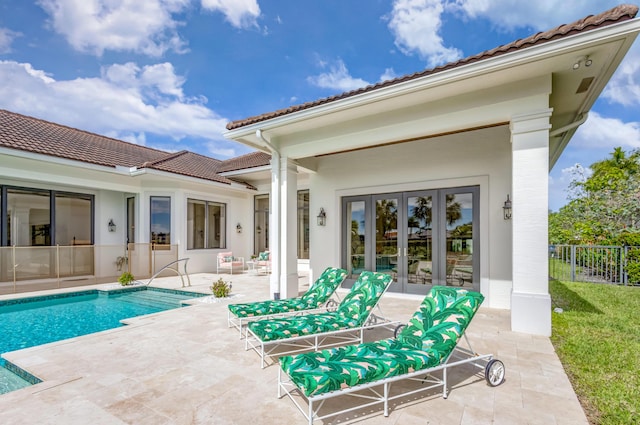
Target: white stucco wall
x: 481, y: 157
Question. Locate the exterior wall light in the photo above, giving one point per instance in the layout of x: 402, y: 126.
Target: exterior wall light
x: 322, y: 217
x: 111, y: 225
x: 506, y: 209
x: 238, y: 228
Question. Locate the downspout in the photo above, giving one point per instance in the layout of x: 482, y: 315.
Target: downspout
x: 274, y: 200
x: 568, y: 127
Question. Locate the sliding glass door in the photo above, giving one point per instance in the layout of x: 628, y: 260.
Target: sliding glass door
x: 421, y: 238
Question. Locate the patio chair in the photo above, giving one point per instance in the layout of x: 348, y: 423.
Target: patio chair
x: 226, y: 261
x: 263, y: 262
x: 366, y: 371
x: 317, y: 295
x: 345, y: 325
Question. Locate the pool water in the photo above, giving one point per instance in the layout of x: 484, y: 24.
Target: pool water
x: 28, y: 322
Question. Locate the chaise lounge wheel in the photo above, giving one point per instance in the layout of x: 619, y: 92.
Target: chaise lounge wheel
x: 494, y: 373
x: 398, y: 329
x: 331, y: 305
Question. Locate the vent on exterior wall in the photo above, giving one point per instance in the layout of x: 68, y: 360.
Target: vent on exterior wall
x: 584, y: 85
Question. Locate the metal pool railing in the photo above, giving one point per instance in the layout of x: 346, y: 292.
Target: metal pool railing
x: 592, y: 263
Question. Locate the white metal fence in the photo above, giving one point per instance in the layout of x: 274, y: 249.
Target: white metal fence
x: 593, y: 263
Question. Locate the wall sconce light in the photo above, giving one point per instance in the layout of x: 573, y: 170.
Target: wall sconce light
x: 238, y: 228
x: 258, y: 230
x: 506, y: 209
x: 111, y: 225
x: 322, y: 217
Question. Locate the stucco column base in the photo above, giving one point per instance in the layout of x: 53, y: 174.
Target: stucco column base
x: 531, y: 313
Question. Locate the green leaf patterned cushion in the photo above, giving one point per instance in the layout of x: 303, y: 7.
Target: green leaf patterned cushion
x: 324, y: 287
x: 263, y: 256
x: 351, y: 313
x: 321, y: 291
x: 333, y: 369
x: 443, y: 316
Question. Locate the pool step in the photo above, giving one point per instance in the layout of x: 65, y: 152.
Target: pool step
x: 155, y: 299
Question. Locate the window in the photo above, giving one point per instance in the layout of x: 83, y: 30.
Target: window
x: 73, y: 219
x: 37, y: 217
x: 206, y: 224
x: 160, y: 207
x: 303, y: 224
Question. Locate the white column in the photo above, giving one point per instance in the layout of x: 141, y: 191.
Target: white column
x: 288, y: 229
x: 274, y: 225
x: 530, y: 300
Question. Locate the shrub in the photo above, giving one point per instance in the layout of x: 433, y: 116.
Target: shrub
x: 126, y: 278
x: 221, y: 289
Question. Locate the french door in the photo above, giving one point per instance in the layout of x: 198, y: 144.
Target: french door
x: 421, y: 238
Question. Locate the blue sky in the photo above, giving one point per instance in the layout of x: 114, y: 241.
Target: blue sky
x: 170, y: 74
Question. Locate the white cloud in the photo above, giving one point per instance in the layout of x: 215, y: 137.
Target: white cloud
x: 624, y: 86
x: 539, y: 15
x: 239, y: 13
x: 6, y: 38
x: 94, y: 26
x: 337, y: 78
x: 604, y: 134
x: 415, y: 25
x: 127, y: 101
x: 388, y: 74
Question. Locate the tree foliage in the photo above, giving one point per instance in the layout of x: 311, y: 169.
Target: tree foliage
x: 604, y: 205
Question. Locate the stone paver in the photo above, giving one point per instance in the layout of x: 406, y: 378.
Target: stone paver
x: 186, y: 367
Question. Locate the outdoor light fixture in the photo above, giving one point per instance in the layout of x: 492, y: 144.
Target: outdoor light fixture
x: 258, y: 229
x: 239, y: 228
x: 583, y: 59
x: 322, y: 217
x: 111, y: 225
x: 506, y: 209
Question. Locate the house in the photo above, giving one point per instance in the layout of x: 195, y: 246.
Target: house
x: 79, y: 205
x: 444, y: 171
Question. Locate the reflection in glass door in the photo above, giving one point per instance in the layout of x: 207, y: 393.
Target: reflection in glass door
x: 387, y: 242
x: 421, y: 238
x: 355, y: 249
x: 419, y: 251
x: 459, y: 213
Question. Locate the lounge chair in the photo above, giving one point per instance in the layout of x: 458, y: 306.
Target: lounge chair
x: 317, y: 295
x: 345, y: 325
x: 366, y: 371
x: 227, y: 261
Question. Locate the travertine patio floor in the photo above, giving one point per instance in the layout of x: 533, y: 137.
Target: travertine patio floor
x: 185, y: 366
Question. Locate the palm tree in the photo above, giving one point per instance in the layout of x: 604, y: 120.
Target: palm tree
x: 454, y: 209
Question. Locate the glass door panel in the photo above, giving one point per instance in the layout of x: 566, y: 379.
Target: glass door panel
x: 459, y: 213
x: 356, y: 238
x: 419, y: 249
x: 386, y: 231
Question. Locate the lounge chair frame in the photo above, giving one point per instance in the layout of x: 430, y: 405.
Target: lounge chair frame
x: 239, y: 322
x: 329, y: 305
x: 313, y: 342
x: 379, y: 392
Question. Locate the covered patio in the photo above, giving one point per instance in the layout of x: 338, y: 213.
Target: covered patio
x: 186, y: 367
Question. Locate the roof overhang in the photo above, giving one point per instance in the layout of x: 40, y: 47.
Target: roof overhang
x: 382, y: 115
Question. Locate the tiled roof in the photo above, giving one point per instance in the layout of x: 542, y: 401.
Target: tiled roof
x: 38, y: 136
x: 250, y: 160
x: 591, y: 22
x: 46, y: 138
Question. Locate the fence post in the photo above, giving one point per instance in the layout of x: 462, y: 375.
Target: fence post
x: 623, y: 267
x: 573, y: 263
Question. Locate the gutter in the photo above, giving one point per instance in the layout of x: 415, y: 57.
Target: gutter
x: 571, y: 126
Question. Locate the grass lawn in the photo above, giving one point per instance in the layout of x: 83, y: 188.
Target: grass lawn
x: 597, y: 338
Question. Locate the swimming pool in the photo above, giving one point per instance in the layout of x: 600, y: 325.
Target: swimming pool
x: 27, y: 322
